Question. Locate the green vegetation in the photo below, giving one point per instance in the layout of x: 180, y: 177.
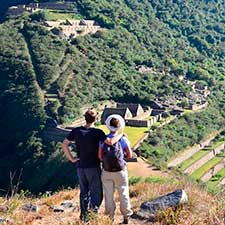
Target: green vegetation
x: 217, y: 144
x: 203, y: 169
x: 212, y: 184
x: 46, y: 62
x: 60, y: 15
x: 22, y: 114
x: 161, y: 180
x: 220, y: 137
x: 193, y: 159
x: 189, y: 129
x: 134, y: 133
x: 154, y: 179
x: 135, y: 180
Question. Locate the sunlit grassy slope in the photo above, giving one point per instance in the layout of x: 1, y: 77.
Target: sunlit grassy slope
x: 203, y: 169
x: 194, y: 158
x: 134, y: 133
x: 212, y: 184
x: 60, y: 15
x: 202, y: 208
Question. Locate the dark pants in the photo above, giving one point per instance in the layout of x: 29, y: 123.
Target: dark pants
x: 90, y: 190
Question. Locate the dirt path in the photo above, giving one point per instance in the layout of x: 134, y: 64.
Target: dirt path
x: 143, y: 169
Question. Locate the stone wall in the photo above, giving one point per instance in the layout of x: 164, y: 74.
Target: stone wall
x: 196, y: 107
x: 167, y: 121
x: 78, y: 30
x: 204, y: 159
x: 20, y: 9
x: 214, y: 170
x: 184, y: 156
x: 77, y: 123
x: 153, y: 120
x: 222, y: 182
x: 206, y: 142
x: 143, y: 115
x: 140, y: 110
x: 56, y: 134
x: 138, y: 123
x: 191, y: 151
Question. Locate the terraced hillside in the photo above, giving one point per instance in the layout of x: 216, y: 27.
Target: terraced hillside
x: 206, y: 165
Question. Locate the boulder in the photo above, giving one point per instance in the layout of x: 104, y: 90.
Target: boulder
x: 173, y: 199
x: 29, y: 207
x: 3, y: 220
x: 56, y: 208
x: 4, y: 208
x: 66, y: 206
x: 7, y: 221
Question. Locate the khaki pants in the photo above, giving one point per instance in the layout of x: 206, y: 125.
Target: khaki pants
x: 119, y: 181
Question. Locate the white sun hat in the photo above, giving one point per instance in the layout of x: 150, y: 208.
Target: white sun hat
x: 121, y: 122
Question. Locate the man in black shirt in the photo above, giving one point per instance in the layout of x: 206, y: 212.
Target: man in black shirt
x: 87, y: 140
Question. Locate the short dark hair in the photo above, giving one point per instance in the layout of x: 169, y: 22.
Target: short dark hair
x: 114, y: 122
x: 90, y: 115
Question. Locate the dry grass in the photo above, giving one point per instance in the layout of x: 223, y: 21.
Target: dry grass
x: 202, y: 208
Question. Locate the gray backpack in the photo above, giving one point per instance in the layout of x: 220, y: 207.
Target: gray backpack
x: 113, y: 157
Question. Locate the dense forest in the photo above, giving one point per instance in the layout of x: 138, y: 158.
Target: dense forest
x: 43, y: 76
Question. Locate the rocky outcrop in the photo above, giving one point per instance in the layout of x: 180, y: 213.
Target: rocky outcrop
x: 150, y: 208
x: 7, y: 221
x: 66, y: 206
x: 29, y: 207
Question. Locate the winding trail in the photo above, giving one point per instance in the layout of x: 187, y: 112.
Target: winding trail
x: 141, y: 168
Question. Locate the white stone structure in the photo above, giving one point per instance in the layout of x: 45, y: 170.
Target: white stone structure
x: 73, y: 27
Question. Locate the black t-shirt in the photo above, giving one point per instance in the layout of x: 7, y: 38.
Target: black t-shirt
x: 87, y: 142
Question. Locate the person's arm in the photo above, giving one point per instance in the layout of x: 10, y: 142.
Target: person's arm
x: 128, y: 152
x: 100, y: 155
x: 110, y: 141
x: 127, y: 148
x: 113, y: 140
x: 69, y: 156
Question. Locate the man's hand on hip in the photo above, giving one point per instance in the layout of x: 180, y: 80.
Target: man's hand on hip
x: 74, y: 160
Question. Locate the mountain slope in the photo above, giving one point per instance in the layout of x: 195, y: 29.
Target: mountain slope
x: 42, y: 75
x: 201, y: 209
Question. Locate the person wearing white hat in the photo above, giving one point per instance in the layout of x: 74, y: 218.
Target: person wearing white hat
x: 87, y: 140
x: 114, y: 174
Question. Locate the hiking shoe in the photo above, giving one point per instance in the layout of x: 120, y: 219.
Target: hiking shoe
x: 84, y: 218
x: 125, y: 220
